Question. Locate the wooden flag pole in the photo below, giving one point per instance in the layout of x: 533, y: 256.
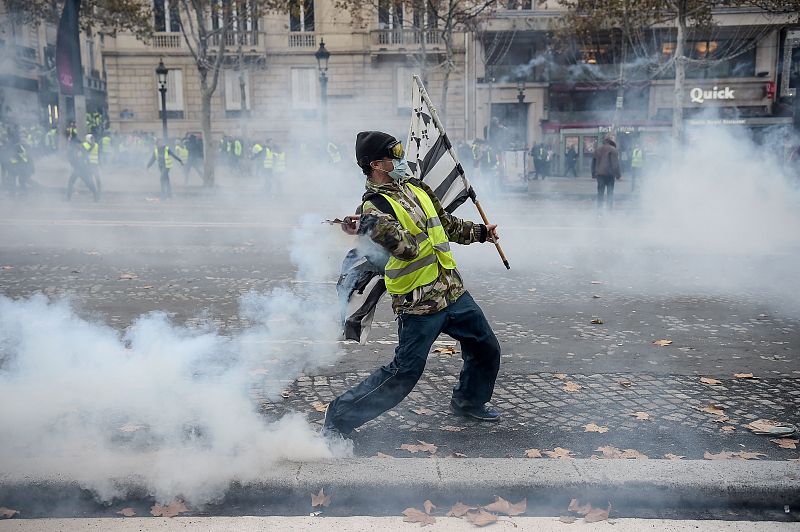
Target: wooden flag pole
x: 460, y: 169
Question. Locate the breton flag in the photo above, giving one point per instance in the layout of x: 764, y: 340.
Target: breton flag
x: 431, y: 160
x: 68, y: 50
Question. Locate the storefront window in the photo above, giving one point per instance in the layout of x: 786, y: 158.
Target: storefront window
x: 712, y: 58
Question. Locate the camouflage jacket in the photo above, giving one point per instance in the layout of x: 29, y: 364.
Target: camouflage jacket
x: 378, y: 222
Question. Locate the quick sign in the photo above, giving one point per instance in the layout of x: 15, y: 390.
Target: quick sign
x: 699, y: 95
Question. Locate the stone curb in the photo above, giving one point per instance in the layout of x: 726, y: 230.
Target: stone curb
x: 378, y: 486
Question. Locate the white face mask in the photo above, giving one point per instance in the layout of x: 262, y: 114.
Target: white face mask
x: 398, y: 171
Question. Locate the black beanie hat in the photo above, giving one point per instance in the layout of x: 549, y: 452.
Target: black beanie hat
x: 372, y: 146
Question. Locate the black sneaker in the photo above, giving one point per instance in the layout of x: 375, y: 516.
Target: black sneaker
x: 329, y: 430
x: 481, y: 413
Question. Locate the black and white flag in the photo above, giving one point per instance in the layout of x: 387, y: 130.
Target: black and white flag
x: 429, y: 158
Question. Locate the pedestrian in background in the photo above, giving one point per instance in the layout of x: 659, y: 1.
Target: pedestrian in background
x: 605, y: 169
x: 164, y: 155
x: 78, y: 159
x: 637, y: 164
x: 571, y: 159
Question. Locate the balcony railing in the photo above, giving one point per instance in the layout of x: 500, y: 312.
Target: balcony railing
x: 236, y: 38
x: 167, y: 40
x: 405, y: 37
x: 302, y: 40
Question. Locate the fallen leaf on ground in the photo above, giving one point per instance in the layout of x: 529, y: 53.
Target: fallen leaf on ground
x: 595, y: 296
x: 421, y: 447
x: 729, y: 455
x: 286, y: 394
x: 568, y: 519
x: 429, y: 506
x: 785, y: 443
x: 597, y: 321
x: 578, y: 508
x: 560, y: 453
x: 641, y: 416
x: 502, y: 506
x: 422, y: 411
x: 381, y: 455
x: 597, y: 514
x: 451, y: 428
x: 709, y: 380
x: 459, y: 509
x: 744, y: 375
x: 715, y: 409
x: 533, y: 453
x: 594, y: 427
x: 570, y: 386
x: 610, y: 451
x: 560, y: 376
x: 7, y: 513
x: 728, y: 428
x: 171, y: 510
x: 457, y: 455
x: 670, y: 456
x: 662, y: 343
x: 130, y: 427
x: 7, y: 267
x: 597, y: 282
x: 319, y: 406
x: 412, y: 515
x: 773, y: 428
x: 481, y: 518
x: 127, y: 512
x: 128, y: 276
x: 626, y: 384
x: 446, y: 350
x: 320, y: 499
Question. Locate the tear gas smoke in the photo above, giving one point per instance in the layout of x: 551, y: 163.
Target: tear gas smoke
x: 162, y: 405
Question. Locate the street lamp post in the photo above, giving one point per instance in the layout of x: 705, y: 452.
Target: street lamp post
x: 161, y: 75
x: 322, y: 56
x: 523, y: 123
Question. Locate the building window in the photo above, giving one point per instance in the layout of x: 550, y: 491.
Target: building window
x: 424, y: 15
x: 174, y: 94
x: 304, y: 89
x: 301, y: 15
x: 233, y: 90
x: 403, y: 83
x: 166, y: 15
x: 390, y: 15
x: 714, y: 58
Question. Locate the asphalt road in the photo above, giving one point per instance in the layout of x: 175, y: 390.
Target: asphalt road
x: 725, y: 297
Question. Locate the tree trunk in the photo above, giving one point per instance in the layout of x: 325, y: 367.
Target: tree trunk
x: 621, y: 82
x: 680, y: 80
x: 448, y: 68
x: 208, y: 142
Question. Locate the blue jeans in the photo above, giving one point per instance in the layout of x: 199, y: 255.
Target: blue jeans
x: 388, y: 385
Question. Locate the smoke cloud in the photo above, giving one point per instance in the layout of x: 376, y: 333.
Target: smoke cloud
x: 166, y: 406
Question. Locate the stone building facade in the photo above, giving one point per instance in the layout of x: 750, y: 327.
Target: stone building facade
x: 369, y: 78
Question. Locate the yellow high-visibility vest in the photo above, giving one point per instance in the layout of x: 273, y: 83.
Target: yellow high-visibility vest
x: 333, y: 151
x: 268, y: 162
x: 94, y: 152
x: 280, y: 162
x: 637, y: 158
x: 237, y: 148
x: 181, y: 151
x: 167, y: 158
x: 403, y: 276
x: 23, y: 156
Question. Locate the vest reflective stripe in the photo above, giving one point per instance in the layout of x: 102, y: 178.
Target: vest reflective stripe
x: 637, y: 158
x: 267, y: 158
x: 23, y: 156
x: 94, y: 152
x: 237, y: 148
x: 167, y: 158
x: 280, y: 161
x: 257, y: 148
x: 403, y: 276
